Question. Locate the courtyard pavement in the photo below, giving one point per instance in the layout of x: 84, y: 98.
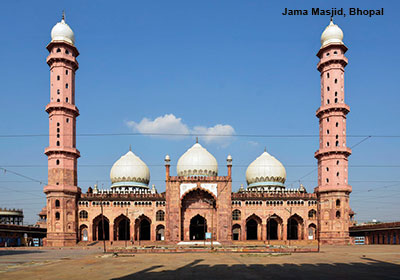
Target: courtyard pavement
x: 340, y: 262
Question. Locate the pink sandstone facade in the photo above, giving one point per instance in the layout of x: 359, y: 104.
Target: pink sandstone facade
x: 197, y: 203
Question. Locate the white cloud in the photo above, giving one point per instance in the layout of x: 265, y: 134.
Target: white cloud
x: 170, y: 124
x: 253, y: 143
x: 167, y: 124
x: 219, y: 133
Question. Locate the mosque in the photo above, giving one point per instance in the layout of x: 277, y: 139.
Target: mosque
x: 198, y: 203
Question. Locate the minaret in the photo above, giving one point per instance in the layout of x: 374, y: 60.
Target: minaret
x: 333, y: 189
x: 62, y: 190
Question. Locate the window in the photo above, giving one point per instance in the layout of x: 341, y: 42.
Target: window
x: 335, y: 93
x: 337, y: 162
x: 327, y: 144
x: 312, y: 214
x: 58, y: 50
x: 337, y: 174
x: 327, y: 75
x: 336, y: 100
x: 327, y: 102
x: 335, y: 52
x: 337, y: 143
x: 337, y: 214
x: 66, y: 72
x: 327, y: 54
x: 327, y: 131
x: 58, y: 91
x: 57, y: 203
x: 58, y: 135
x: 337, y: 136
x: 67, y: 120
x: 66, y: 85
x: 58, y: 144
x: 337, y: 124
x: 335, y: 81
x: 337, y: 202
x: 57, y: 216
x: 160, y: 215
x: 327, y: 88
x: 58, y: 129
x: 58, y: 162
x: 58, y: 77
x: 327, y: 119
x: 67, y: 51
x: 58, y: 100
x: 83, y: 215
x: 327, y: 169
x: 327, y: 180
x: 58, y: 124
x: 66, y: 99
x: 236, y: 215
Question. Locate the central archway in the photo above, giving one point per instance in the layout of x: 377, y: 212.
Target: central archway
x: 144, y: 229
x: 251, y: 229
x: 100, y: 231
x: 122, y: 228
x: 198, y: 228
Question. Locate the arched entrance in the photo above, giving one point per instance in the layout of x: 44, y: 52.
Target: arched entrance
x: 100, y: 231
x: 83, y: 233
x: 294, y: 228
x: 198, y: 228
x: 160, y: 233
x: 312, y: 229
x: 122, y: 228
x: 272, y: 229
x: 236, y: 232
x: 142, y: 228
x: 252, y: 227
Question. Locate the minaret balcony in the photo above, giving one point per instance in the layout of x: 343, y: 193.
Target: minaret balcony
x: 327, y: 151
x: 62, y: 150
x: 52, y: 106
x: 342, y: 107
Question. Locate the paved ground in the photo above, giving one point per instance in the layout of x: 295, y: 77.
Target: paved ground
x: 347, y: 262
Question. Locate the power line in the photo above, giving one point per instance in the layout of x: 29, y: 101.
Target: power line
x: 199, y: 135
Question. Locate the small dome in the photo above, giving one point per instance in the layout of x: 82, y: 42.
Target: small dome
x: 332, y: 34
x: 266, y: 170
x: 62, y: 32
x: 197, y: 161
x: 130, y: 170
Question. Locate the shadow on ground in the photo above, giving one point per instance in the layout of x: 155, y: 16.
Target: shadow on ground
x: 372, y: 269
x: 17, y: 252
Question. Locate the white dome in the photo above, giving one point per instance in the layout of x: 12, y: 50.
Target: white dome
x: 62, y: 32
x: 331, y: 34
x: 197, y: 161
x: 130, y: 170
x: 265, y: 170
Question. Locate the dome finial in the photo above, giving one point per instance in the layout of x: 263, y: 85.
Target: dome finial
x: 63, y: 16
x: 265, y: 148
x: 197, y: 139
x: 130, y: 148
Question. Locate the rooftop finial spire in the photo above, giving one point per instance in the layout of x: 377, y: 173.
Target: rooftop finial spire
x: 63, y: 15
x: 197, y: 139
x: 331, y: 20
x: 265, y: 149
x: 130, y: 148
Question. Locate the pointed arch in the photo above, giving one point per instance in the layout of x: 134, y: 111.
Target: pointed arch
x: 122, y: 227
x: 274, y: 227
x: 143, y: 228
x: 101, y: 231
x: 253, y: 227
x: 295, y: 227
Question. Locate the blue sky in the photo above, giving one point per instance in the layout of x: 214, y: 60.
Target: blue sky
x: 237, y: 64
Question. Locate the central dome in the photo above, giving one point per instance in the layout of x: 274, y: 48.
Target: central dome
x: 197, y: 161
x: 130, y: 171
x: 265, y: 171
